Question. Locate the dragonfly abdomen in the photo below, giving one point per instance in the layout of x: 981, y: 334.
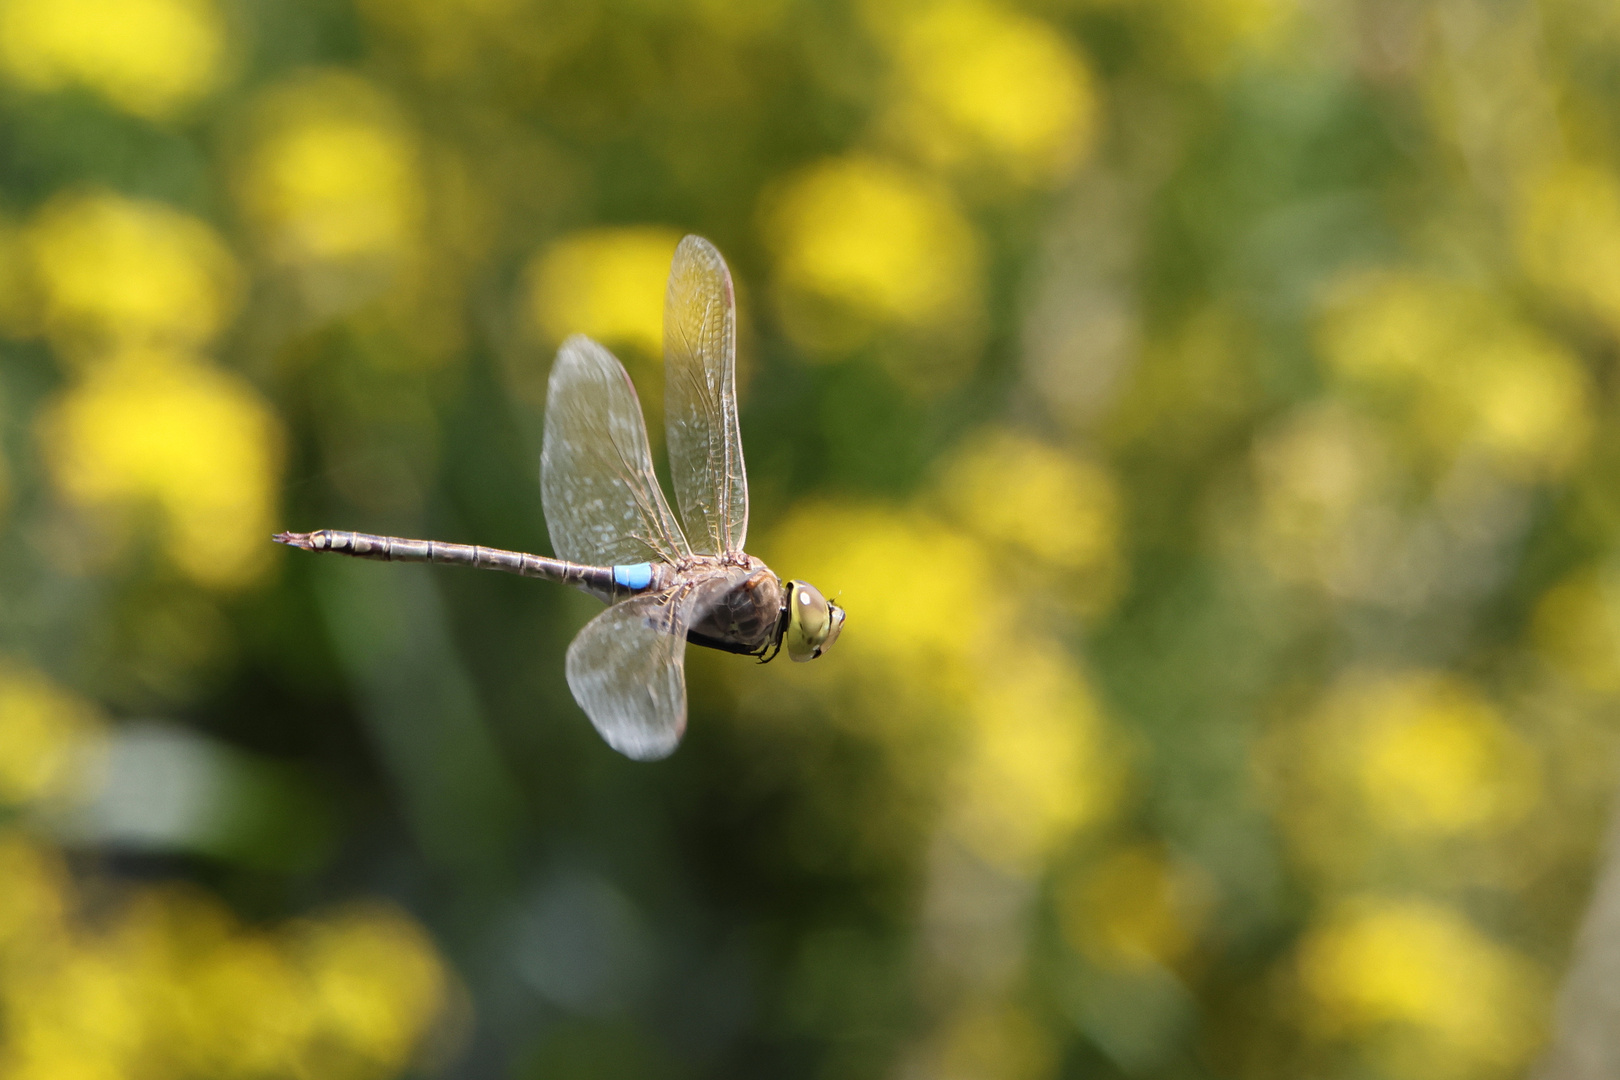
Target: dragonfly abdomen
x: 633, y: 576
x: 601, y: 580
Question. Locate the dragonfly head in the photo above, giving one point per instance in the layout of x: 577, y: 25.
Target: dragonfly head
x: 813, y: 622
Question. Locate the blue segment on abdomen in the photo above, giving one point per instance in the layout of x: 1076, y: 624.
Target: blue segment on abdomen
x: 633, y: 576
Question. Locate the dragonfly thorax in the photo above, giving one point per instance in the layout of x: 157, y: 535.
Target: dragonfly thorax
x: 748, y: 618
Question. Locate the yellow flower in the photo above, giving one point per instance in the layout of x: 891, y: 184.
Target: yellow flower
x: 170, y: 984
x: 116, y: 272
x: 922, y: 609
x: 1447, y: 766
x: 1003, y: 1042
x: 933, y: 665
x: 1033, y: 766
x: 1411, y: 769
x: 1038, y: 504
x: 1322, y: 477
x: 1430, y: 754
x: 1211, y: 37
x: 1569, y: 236
x: 1134, y: 908
x: 198, y: 444
x: 1441, y: 998
x: 1459, y: 372
x: 333, y: 176
x: 924, y: 591
x: 979, y: 84
x: 1576, y: 628
x: 32, y: 908
x: 606, y: 283
x: 376, y: 983
x: 44, y: 735
x: 148, y: 57
x: 865, y: 250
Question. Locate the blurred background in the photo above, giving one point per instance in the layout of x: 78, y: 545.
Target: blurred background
x: 1204, y: 409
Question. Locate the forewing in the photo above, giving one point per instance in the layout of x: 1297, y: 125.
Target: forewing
x: 602, y: 501
x: 626, y: 669
x: 700, y: 399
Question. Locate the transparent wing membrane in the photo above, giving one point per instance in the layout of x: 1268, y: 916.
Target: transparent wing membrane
x: 626, y: 668
x: 700, y: 399
x: 602, y: 501
x: 604, y: 507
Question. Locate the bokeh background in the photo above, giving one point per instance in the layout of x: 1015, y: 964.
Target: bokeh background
x: 1204, y: 408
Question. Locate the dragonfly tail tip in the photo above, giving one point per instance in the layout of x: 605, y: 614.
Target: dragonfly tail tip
x: 292, y: 539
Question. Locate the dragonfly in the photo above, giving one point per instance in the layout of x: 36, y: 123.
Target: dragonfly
x: 668, y: 581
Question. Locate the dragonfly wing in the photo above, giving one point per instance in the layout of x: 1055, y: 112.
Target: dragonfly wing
x: 700, y: 399
x: 626, y: 669
x: 602, y: 501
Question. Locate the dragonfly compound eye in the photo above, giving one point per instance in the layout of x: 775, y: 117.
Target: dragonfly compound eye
x: 812, y: 622
x: 836, y: 614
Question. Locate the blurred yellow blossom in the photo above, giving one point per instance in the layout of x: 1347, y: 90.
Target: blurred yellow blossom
x: 196, y: 443
x: 116, y: 272
x: 1436, y: 758
x: 1576, y: 628
x: 246, y: 982
x: 1432, y: 995
x: 979, y: 84
x: 1452, y: 363
x: 44, y: 733
x: 1030, y: 500
x: 33, y: 904
x: 1428, y: 752
x: 168, y: 985
x: 1569, y: 236
x: 998, y: 1041
x: 861, y: 245
x: 605, y: 283
x: 1322, y: 480
x: 924, y: 610
x: 1034, y: 766
x: 333, y: 175
x: 925, y: 592
x: 1410, y: 768
x: 932, y: 656
x: 375, y: 982
x: 148, y: 57
x: 1212, y: 37
x: 925, y: 595
x: 1133, y: 908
